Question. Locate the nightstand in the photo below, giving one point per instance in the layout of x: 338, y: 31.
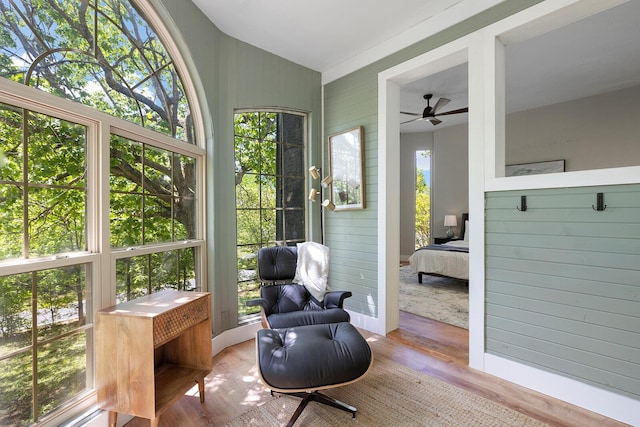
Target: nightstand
x: 443, y: 240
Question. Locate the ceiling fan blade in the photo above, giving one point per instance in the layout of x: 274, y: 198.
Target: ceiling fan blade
x: 412, y: 120
x: 458, y: 111
x: 435, y: 121
x: 441, y: 103
x: 410, y: 114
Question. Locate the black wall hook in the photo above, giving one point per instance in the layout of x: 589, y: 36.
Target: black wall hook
x: 523, y: 204
x: 600, y: 206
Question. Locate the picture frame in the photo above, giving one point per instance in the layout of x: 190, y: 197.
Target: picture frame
x: 346, y: 166
x: 536, y: 168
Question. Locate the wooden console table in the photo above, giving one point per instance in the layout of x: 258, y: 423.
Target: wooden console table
x: 150, y: 351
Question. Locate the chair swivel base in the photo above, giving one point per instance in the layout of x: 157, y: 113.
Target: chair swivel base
x: 316, y: 396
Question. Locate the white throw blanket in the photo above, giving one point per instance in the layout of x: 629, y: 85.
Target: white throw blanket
x: 313, y: 268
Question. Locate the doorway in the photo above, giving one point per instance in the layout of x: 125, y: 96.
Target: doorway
x: 391, y: 97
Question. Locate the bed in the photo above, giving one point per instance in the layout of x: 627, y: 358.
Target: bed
x: 450, y: 259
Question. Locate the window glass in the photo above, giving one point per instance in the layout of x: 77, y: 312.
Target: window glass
x: 142, y: 275
x: 44, y: 215
x: 53, y: 360
x: 270, y: 190
x: 423, y: 198
x: 152, y: 194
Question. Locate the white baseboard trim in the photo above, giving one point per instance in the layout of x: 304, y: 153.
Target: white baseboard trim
x: 234, y: 336
x: 607, y: 403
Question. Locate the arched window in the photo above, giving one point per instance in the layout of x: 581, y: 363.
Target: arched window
x: 98, y: 53
x: 95, y: 208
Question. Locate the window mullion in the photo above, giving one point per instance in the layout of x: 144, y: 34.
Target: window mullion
x: 25, y: 183
x: 103, y: 295
x: 34, y: 343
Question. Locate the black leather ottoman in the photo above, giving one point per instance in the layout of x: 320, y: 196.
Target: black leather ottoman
x: 305, y: 359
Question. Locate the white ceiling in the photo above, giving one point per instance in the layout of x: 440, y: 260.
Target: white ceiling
x: 325, y: 35
x: 595, y: 55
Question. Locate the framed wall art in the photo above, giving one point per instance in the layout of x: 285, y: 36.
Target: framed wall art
x: 552, y: 166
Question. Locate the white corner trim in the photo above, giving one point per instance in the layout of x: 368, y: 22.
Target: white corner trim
x: 607, y: 403
x: 369, y: 323
x: 447, y: 18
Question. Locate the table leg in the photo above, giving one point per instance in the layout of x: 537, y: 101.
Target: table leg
x: 201, y: 389
x: 113, y: 418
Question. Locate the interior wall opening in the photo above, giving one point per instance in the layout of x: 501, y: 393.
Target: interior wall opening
x: 572, y: 96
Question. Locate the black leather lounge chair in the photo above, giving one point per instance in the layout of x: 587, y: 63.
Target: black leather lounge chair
x: 284, y: 304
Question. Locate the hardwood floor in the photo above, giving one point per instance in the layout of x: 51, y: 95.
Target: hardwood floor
x: 431, y: 347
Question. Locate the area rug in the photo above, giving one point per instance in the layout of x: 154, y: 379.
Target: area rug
x: 440, y: 298
x: 391, y: 395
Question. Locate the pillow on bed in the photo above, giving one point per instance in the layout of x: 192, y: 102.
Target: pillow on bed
x: 466, y: 231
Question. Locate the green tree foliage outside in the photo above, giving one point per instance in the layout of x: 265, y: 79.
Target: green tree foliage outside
x: 97, y: 52
x: 255, y: 170
x: 423, y: 211
x: 270, y: 196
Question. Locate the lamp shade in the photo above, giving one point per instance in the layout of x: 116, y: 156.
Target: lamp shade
x: 450, y: 221
x: 315, y: 172
x: 327, y: 181
x: 328, y: 204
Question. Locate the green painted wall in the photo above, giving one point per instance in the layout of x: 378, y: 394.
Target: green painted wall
x: 563, y: 283
x: 353, y: 101
x: 563, y: 288
x: 236, y: 75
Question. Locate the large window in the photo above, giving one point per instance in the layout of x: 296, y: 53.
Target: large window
x: 270, y: 190
x: 95, y: 208
x: 45, y: 323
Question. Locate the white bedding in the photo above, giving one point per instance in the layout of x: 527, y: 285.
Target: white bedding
x: 447, y: 263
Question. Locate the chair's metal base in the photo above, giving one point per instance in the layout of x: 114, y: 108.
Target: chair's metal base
x: 316, y: 396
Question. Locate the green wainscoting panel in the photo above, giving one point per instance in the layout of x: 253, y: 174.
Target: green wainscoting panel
x: 563, y: 283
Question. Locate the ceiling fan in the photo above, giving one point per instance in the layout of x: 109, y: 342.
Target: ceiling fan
x: 431, y: 113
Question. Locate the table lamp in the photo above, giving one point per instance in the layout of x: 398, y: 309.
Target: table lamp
x: 450, y: 221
